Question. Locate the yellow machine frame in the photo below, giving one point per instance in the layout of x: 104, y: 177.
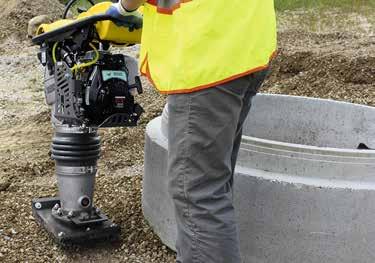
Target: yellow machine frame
x: 107, y: 30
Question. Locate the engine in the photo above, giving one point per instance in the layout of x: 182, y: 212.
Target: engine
x: 94, y: 88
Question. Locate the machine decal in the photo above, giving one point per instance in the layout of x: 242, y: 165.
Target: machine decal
x: 114, y: 74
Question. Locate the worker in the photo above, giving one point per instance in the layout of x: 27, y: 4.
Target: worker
x: 210, y: 57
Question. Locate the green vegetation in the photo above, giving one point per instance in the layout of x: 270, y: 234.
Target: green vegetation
x: 281, y: 5
x: 317, y: 14
x: 346, y: 4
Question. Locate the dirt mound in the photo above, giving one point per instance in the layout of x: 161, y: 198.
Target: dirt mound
x: 16, y: 14
x: 337, y: 64
x: 334, y: 66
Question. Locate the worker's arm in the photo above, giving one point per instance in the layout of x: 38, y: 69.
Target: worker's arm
x: 125, y: 12
x: 131, y: 5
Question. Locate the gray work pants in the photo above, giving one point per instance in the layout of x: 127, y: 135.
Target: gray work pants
x: 205, y: 129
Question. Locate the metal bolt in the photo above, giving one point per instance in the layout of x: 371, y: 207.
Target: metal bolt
x: 113, y: 225
x: 59, y: 212
x: 38, y: 205
x: 97, y: 210
x: 56, y: 207
x: 70, y: 214
x: 61, y: 234
x: 88, y: 229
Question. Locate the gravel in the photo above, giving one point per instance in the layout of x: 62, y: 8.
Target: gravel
x: 338, y: 65
x: 15, y: 15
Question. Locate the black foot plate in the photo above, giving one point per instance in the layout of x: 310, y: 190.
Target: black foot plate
x: 70, y: 235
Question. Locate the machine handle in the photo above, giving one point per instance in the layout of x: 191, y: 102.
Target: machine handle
x: 63, y: 32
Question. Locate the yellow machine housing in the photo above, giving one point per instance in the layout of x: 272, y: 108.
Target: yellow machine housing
x: 107, y: 30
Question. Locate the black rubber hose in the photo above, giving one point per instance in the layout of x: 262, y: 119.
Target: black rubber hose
x: 69, y: 5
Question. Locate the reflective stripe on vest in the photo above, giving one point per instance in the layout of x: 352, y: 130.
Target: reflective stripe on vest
x: 189, y: 45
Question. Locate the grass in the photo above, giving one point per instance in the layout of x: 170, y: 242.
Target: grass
x: 336, y: 15
x: 352, y: 5
x: 282, y: 5
x: 316, y: 14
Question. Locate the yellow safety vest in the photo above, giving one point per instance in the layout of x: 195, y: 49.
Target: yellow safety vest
x: 190, y: 45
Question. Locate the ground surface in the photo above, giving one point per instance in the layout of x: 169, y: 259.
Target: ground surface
x: 16, y: 13
x: 329, y: 55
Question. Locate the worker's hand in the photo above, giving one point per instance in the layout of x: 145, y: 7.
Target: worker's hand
x: 122, y: 17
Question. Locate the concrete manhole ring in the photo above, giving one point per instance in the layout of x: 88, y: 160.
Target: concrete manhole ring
x: 304, y: 192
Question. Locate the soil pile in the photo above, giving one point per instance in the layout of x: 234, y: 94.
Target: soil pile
x: 338, y: 66
x: 16, y: 14
x: 324, y: 64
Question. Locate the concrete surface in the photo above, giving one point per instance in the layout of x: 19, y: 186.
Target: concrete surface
x: 303, y: 191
